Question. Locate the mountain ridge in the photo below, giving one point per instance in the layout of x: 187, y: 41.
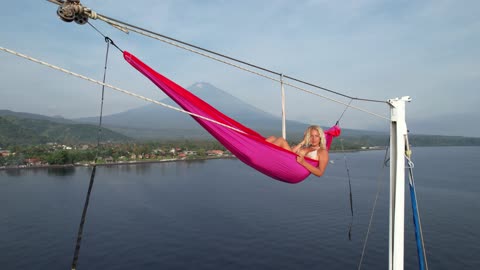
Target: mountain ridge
x: 18, y: 128
x: 38, y: 130
x: 153, y: 121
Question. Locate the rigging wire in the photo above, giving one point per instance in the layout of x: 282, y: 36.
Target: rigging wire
x: 348, y: 175
x: 343, y: 113
x: 92, y: 176
x: 139, y: 30
x: 350, y: 190
x: 153, y: 35
x: 107, y: 39
x: 96, y: 29
x: 379, y: 188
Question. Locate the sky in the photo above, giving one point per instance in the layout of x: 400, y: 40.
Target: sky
x: 427, y: 50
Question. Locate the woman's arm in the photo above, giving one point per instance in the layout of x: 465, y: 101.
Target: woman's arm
x: 299, y: 146
x: 322, y: 163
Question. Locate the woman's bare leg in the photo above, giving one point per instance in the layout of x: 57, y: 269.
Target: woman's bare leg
x: 271, y: 139
x: 279, y: 141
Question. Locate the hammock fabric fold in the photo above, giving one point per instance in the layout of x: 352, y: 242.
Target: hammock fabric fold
x: 246, y: 144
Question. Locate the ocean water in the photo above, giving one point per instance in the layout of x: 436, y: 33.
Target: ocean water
x: 221, y: 214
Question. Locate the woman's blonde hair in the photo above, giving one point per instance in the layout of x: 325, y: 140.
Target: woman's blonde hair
x: 323, y: 140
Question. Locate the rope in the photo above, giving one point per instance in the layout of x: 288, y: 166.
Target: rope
x: 341, y: 116
x: 97, y: 30
x: 421, y: 259
x: 92, y: 176
x: 379, y: 187
x: 348, y: 175
x: 163, y: 38
x: 117, y: 88
x: 107, y: 39
x: 82, y: 221
x: 103, y: 95
x: 350, y: 189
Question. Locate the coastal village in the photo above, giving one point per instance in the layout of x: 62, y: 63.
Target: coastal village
x: 59, y: 155
x: 53, y: 154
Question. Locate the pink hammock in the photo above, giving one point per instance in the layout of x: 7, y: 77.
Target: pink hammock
x: 248, y: 145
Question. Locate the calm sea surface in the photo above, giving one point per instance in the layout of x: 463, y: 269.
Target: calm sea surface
x: 221, y: 214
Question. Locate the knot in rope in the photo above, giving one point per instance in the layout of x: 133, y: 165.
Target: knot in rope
x: 92, y: 14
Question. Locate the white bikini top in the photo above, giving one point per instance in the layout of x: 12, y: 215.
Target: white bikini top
x: 313, y: 154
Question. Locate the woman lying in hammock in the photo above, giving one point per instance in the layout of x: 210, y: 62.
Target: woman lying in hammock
x: 313, y: 146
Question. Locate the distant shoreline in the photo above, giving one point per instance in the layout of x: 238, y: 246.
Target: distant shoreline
x: 22, y: 167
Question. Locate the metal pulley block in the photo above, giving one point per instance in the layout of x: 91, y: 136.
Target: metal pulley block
x: 81, y: 18
x: 72, y: 10
x: 66, y: 12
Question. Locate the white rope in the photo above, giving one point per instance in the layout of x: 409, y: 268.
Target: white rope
x: 126, y: 27
x: 116, y: 88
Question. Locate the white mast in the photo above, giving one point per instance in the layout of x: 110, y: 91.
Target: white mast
x: 398, y: 133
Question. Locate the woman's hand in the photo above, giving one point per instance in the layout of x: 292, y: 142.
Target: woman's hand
x: 301, y: 159
x: 298, y: 147
x: 304, y: 141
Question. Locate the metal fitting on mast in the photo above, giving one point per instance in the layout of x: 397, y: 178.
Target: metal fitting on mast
x: 72, y: 10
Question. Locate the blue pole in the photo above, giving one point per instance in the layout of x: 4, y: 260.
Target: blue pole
x: 421, y: 259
